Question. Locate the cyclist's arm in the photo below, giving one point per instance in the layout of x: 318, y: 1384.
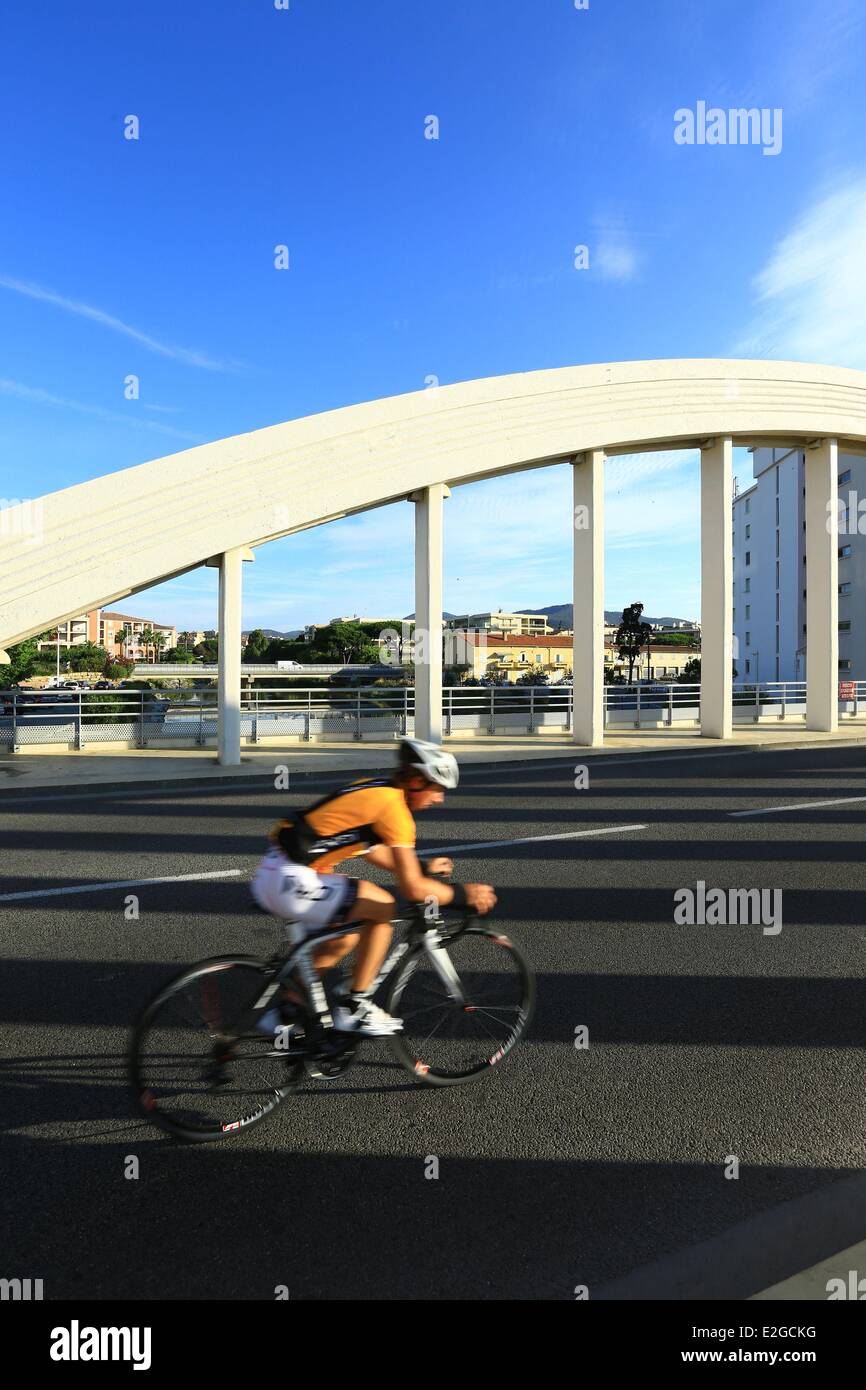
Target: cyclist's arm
x: 411, y: 879
x: 382, y: 856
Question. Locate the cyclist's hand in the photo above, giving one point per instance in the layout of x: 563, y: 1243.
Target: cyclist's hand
x: 480, y: 897
x: 440, y: 866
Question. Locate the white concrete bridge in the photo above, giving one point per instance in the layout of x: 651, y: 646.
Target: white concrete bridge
x: 101, y: 541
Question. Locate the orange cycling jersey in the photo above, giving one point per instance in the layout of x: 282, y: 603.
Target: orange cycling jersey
x: 347, y: 823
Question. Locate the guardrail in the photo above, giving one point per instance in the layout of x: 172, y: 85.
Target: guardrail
x: 151, y: 718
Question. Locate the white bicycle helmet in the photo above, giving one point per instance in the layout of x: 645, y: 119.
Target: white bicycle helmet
x: 431, y: 761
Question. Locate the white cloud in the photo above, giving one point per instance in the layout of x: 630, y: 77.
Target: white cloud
x: 36, y: 396
x: 614, y: 259
x: 191, y: 357
x: 811, y: 294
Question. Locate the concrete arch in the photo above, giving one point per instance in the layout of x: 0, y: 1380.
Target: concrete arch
x: 88, y: 546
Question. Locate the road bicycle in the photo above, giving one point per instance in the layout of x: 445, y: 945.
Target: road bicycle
x: 200, y: 1069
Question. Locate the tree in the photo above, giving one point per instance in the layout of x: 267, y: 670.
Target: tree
x: 344, y: 642
x: 146, y: 639
x: 87, y: 656
x: 632, y: 636
x: 535, y: 677
x: 159, y: 643
x: 27, y: 660
x: 257, y: 645
x: 691, y: 672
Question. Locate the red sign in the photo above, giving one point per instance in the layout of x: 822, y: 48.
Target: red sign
x: 846, y: 690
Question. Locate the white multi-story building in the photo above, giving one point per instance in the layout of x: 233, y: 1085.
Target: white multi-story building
x: 510, y: 624
x: 770, y: 579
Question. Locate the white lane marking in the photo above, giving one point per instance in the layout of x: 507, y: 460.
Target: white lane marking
x: 801, y: 806
x: 120, y: 883
x: 528, y: 840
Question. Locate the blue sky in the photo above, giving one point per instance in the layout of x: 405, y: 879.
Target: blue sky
x: 411, y: 257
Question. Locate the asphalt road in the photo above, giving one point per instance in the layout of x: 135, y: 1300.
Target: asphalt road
x: 603, y: 1166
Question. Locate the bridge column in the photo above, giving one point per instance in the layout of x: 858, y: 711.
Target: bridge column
x: 587, y: 658
x: 230, y: 565
x: 822, y: 585
x: 428, y: 610
x: 717, y: 580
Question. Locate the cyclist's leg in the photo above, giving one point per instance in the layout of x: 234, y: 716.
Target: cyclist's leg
x: 374, y: 908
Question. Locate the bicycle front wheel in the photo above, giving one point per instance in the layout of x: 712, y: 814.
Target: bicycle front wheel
x: 464, y: 1004
x: 199, y: 1068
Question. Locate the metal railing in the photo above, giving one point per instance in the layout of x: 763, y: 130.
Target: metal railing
x: 151, y: 718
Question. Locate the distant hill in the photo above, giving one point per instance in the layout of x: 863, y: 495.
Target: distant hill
x: 562, y: 615
x: 272, y: 632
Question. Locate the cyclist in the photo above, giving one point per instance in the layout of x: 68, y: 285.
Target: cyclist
x: 372, y: 818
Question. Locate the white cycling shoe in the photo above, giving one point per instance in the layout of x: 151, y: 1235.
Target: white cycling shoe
x: 366, y: 1018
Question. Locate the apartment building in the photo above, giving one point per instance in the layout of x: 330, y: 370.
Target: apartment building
x: 506, y: 657
x: 510, y: 624
x: 118, y: 633
x: 770, y: 579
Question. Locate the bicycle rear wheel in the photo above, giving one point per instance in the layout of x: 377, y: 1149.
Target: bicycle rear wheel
x: 464, y: 1005
x: 198, y: 1067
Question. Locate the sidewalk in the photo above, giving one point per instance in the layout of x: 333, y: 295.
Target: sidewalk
x: 22, y: 773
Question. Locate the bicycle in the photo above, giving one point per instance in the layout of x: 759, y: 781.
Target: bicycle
x: 200, y: 1070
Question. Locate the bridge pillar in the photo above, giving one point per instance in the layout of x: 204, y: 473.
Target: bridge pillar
x: 587, y: 659
x: 822, y: 585
x: 428, y: 610
x: 717, y: 585
x: 230, y: 565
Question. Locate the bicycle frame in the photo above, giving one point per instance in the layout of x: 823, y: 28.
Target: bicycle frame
x: 421, y: 931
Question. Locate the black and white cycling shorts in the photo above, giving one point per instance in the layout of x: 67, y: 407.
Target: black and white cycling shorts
x: 298, y: 894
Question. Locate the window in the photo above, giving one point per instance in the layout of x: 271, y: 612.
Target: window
x: 558, y: 656
x: 777, y: 511
x: 777, y: 480
x: 777, y: 639
x: 845, y: 625
x: 843, y: 589
x: 844, y: 552
x: 748, y: 667
x: 748, y: 532
x: 778, y: 601
x: 734, y: 616
x: 777, y: 574
x: 523, y: 656
x: 748, y: 505
x: 747, y: 586
x: 845, y: 665
x: 748, y: 557
x: 845, y: 477
x: 538, y: 658
x: 748, y: 639
x: 748, y: 610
